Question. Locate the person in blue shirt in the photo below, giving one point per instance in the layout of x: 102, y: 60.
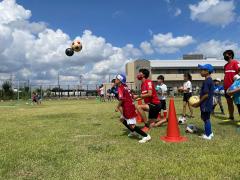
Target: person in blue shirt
x: 234, y: 90
x: 218, y: 92
x: 206, y: 99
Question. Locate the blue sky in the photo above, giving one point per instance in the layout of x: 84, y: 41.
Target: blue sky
x: 35, y: 33
x: 122, y: 22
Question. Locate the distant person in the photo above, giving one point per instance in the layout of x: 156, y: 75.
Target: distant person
x: 101, y: 89
x: 234, y: 90
x: 230, y: 70
x: 39, y: 99
x: 161, y: 89
x: 34, y: 98
x: 218, y: 92
x: 206, y: 99
x: 187, y: 93
x: 128, y: 109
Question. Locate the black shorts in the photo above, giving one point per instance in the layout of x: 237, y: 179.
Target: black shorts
x: 186, y: 96
x: 205, y: 116
x: 154, y: 110
x: 164, y: 104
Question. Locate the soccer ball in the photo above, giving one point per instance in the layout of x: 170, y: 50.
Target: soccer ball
x: 76, y: 46
x: 180, y: 89
x: 181, y: 120
x: 191, y: 129
x: 69, y: 52
x: 193, y: 100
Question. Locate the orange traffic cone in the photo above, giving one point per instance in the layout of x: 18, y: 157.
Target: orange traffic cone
x: 173, y: 133
x: 139, y: 117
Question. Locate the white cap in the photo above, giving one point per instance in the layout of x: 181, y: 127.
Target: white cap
x: 218, y: 79
x: 236, y: 77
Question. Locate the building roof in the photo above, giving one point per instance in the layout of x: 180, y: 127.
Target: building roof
x: 186, y: 63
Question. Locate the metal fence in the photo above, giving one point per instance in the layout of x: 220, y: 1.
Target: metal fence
x: 16, y: 90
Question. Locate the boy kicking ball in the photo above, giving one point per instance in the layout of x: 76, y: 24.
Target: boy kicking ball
x: 206, y: 99
x: 128, y: 109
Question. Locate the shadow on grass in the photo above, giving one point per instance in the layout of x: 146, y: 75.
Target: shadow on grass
x: 219, y: 117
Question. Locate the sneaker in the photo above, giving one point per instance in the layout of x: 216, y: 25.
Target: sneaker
x: 145, y: 139
x: 204, y: 136
x: 145, y: 129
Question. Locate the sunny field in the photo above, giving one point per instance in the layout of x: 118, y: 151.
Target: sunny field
x: 83, y: 139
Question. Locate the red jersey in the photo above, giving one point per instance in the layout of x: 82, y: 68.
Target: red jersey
x: 129, y: 110
x: 230, y: 70
x: 145, y: 87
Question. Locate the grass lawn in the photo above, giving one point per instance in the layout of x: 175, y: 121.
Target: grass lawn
x: 83, y: 139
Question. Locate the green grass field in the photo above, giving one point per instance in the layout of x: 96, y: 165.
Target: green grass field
x: 83, y: 139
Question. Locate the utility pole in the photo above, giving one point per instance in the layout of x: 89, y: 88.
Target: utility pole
x: 80, y: 81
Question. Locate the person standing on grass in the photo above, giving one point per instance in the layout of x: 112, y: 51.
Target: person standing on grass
x: 187, y: 93
x: 206, y: 99
x: 128, y: 109
x: 101, y: 88
x: 218, y: 92
x: 161, y: 89
x: 234, y: 90
x: 230, y: 70
x: 149, y: 94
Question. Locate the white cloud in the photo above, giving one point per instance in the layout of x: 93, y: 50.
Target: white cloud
x: 214, y: 12
x: 146, y: 47
x: 178, y: 12
x: 166, y: 43
x: 10, y: 11
x: 215, y: 48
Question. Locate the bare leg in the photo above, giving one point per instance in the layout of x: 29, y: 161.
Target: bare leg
x: 141, y: 109
x: 191, y: 110
x: 230, y: 107
x: 184, y: 108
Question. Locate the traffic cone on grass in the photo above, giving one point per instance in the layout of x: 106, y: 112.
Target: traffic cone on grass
x: 173, y: 132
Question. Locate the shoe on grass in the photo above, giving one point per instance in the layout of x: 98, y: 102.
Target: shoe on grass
x: 204, y: 136
x: 145, y: 139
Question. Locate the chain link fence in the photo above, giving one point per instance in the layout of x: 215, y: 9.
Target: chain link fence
x: 15, y: 90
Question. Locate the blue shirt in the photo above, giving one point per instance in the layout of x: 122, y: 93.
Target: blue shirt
x: 218, y: 90
x: 207, y: 88
x: 236, y: 96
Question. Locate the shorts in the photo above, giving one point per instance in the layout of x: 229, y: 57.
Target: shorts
x: 154, y: 110
x: 34, y: 100
x: 131, y: 121
x: 186, y: 96
x: 205, y: 116
x: 164, y: 104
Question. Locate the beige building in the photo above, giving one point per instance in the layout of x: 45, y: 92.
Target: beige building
x: 173, y: 71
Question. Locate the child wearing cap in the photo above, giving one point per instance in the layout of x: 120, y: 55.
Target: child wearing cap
x: 128, y: 109
x: 218, y: 92
x: 206, y: 99
x: 234, y: 91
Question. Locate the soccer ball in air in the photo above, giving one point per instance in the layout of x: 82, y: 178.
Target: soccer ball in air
x: 69, y: 52
x: 76, y: 46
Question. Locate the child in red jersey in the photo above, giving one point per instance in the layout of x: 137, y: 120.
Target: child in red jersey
x: 150, y: 97
x: 128, y: 109
x: 230, y: 70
